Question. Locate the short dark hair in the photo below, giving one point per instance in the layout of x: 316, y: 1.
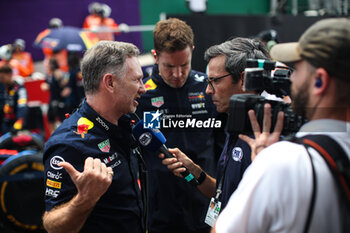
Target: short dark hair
x: 236, y: 52
x: 172, y: 35
x: 6, y: 69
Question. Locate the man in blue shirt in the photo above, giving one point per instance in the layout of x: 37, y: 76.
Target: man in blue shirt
x: 226, y: 66
x: 92, y: 173
x: 178, y: 92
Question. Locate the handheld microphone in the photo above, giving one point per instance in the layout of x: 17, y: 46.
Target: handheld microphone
x: 153, y: 140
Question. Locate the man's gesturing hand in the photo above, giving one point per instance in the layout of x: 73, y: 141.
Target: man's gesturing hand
x: 92, y: 183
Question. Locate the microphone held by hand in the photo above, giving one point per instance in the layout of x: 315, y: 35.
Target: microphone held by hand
x: 153, y: 140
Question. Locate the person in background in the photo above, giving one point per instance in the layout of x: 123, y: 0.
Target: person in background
x: 99, y: 19
x: 61, y: 56
x: 25, y: 64
x: 15, y: 102
x: 269, y: 38
x: 21, y: 62
x: 75, y: 82
x: 57, y: 83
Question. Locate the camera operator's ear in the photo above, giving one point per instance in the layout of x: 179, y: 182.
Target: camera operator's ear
x: 241, y: 79
x: 321, y: 81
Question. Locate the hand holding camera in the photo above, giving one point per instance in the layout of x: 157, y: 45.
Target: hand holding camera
x: 263, y: 138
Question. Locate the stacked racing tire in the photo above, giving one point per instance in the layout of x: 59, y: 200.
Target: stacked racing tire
x: 21, y: 183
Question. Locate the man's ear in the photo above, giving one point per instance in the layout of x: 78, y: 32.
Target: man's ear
x: 154, y: 53
x: 108, y: 82
x: 241, y: 79
x: 321, y: 81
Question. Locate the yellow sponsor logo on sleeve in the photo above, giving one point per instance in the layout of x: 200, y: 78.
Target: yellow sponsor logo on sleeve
x: 53, y: 184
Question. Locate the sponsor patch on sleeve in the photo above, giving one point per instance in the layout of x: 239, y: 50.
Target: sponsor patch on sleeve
x: 53, y: 184
x: 104, y: 146
x: 55, y: 161
x: 237, y: 154
x: 52, y: 193
x: 157, y: 101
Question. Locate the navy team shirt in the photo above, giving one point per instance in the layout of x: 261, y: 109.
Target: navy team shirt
x: 236, y: 156
x: 175, y: 205
x: 86, y: 134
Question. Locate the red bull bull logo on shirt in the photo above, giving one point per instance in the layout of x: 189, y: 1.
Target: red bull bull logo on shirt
x: 83, y: 126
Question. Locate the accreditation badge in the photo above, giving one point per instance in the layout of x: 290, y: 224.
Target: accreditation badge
x: 213, y: 212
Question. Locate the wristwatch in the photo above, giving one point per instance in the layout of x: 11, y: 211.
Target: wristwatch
x: 201, y: 177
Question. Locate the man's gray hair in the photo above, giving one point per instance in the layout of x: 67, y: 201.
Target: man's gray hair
x: 105, y: 57
x: 236, y: 52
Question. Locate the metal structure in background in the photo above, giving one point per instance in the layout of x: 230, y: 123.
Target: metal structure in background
x: 209, y: 29
x: 124, y: 28
x: 313, y: 7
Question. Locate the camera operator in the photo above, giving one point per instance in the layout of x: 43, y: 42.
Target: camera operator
x: 289, y: 188
x: 226, y: 71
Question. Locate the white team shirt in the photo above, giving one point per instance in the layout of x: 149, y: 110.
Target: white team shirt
x: 275, y: 192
